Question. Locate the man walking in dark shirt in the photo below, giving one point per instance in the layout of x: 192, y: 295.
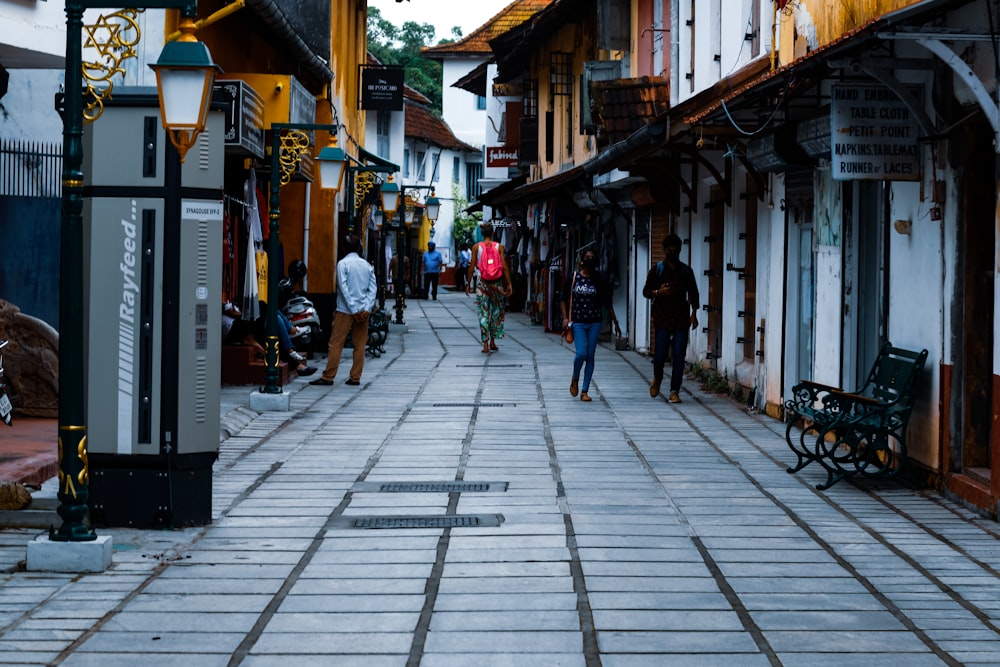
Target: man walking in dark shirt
x: 672, y: 287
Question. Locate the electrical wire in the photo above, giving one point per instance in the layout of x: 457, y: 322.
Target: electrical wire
x: 767, y: 122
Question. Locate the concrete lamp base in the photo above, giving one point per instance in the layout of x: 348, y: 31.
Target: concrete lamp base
x: 45, y: 555
x: 261, y: 402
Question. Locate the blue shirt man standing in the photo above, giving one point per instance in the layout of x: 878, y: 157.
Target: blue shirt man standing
x: 432, y: 270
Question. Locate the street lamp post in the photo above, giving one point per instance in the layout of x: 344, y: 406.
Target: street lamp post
x: 283, y: 162
x: 74, y: 472
x: 380, y: 268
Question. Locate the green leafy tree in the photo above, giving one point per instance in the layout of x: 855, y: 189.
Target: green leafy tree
x: 463, y: 230
x: 401, y: 46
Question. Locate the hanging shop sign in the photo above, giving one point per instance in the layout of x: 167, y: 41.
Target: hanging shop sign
x: 244, y: 120
x: 501, y: 156
x: 874, y: 135
x: 382, y: 88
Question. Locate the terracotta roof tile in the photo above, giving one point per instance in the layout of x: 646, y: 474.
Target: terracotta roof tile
x: 625, y: 105
x: 478, y: 41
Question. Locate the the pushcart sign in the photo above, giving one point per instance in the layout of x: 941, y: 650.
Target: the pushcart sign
x: 874, y: 135
x: 382, y: 88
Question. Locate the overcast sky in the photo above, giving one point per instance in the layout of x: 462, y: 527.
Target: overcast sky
x: 442, y: 14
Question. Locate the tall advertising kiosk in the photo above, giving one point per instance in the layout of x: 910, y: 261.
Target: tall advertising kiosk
x: 153, y: 249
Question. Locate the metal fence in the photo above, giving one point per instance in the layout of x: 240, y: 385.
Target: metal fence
x: 30, y: 169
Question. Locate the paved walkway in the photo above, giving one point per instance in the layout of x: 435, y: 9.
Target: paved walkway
x: 626, y: 531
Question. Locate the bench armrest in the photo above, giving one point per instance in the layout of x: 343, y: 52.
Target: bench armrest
x: 848, y: 397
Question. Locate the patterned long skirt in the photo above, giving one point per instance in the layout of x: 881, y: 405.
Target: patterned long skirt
x: 491, y: 304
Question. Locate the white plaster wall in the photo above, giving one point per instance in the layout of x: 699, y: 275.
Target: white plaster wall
x: 33, y: 34
x: 492, y: 176
x: 28, y: 107
x: 641, y: 260
x: 920, y: 278
x: 829, y: 315
x: 773, y: 292
x: 458, y: 107
x: 719, y: 29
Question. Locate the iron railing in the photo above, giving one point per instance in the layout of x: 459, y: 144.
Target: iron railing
x: 30, y: 169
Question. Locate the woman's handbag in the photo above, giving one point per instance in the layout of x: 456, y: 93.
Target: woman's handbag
x: 567, y: 332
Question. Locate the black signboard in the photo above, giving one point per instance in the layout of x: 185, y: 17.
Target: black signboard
x: 382, y: 88
x: 244, y: 127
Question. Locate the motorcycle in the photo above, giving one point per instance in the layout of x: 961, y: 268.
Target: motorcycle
x: 5, y: 406
x: 301, y: 312
x: 297, y: 307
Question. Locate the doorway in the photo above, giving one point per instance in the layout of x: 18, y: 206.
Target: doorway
x: 713, y: 302
x: 975, y: 320
x: 800, y: 288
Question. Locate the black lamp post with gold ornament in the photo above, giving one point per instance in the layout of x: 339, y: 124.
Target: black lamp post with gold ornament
x: 185, y: 74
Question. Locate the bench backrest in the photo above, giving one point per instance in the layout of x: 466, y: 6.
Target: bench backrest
x: 893, y: 377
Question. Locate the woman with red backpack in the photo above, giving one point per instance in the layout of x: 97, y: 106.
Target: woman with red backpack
x: 493, y: 289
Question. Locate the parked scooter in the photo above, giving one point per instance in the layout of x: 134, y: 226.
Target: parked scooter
x: 297, y: 307
x: 5, y: 407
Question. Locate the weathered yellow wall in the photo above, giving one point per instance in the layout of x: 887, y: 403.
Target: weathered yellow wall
x: 576, y: 39
x: 829, y: 19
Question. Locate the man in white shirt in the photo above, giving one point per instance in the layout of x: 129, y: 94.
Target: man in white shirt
x: 356, y: 292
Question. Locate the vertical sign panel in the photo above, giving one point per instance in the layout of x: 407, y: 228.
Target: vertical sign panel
x: 874, y: 135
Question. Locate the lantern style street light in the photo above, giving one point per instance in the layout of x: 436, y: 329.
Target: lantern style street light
x: 285, y: 157
x: 390, y: 197
x: 433, y: 207
x: 182, y: 103
x: 185, y: 73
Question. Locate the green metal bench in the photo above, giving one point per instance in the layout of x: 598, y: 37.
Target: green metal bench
x: 378, y: 332
x: 862, y: 432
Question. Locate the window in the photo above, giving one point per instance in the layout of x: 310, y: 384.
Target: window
x: 406, y: 162
x: 530, y: 99
x: 560, y: 74
x: 473, y: 172
x: 382, y: 125
x: 456, y: 164
x: 480, y: 102
x: 421, y: 168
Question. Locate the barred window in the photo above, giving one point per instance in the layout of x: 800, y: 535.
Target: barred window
x: 530, y: 100
x: 560, y: 73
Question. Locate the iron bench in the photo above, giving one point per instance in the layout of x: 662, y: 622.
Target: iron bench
x: 862, y: 432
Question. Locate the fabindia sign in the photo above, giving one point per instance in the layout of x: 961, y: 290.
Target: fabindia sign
x: 501, y: 156
x: 873, y: 135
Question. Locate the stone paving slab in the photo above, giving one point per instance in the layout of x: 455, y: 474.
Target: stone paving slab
x: 634, y: 533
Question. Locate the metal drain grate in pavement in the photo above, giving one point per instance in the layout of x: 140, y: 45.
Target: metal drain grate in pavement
x: 491, y: 365
x: 445, y: 521
x: 443, y: 487
x: 472, y: 405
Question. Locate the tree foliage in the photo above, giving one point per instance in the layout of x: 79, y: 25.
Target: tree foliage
x: 400, y: 46
x: 463, y: 230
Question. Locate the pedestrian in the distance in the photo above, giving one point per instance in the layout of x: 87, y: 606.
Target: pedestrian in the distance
x: 356, y: 292
x: 672, y: 287
x: 464, y: 259
x: 432, y: 270
x: 586, y: 294
x: 494, y: 286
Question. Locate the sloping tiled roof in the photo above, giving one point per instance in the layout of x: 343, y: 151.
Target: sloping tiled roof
x: 421, y: 124
x: 625, y: 105
x: 478, y: 41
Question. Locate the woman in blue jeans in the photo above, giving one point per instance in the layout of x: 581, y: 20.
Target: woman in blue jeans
x: 586, y: 293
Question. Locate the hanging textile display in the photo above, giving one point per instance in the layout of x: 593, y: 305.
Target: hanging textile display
x: 255, y: 242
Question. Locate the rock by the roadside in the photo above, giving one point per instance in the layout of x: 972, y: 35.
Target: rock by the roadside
x: 14, y: 496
